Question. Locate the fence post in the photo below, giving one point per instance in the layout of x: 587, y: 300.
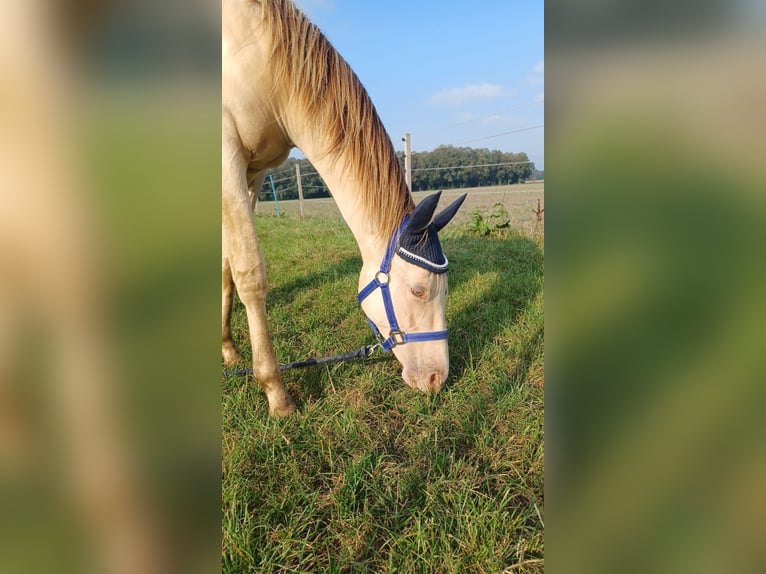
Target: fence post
x: 407, y: 162
x: 538, y: 221
x: 300, y: 186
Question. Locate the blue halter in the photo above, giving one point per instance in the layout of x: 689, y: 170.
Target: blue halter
x: 395, y: 335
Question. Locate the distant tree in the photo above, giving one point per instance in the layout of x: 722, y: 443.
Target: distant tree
x: 440, y: 168
x: 437, y: 169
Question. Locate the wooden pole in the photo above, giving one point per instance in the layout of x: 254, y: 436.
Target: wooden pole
x: 407, y: 161
x: 539, y: 213
x: 300, y: 186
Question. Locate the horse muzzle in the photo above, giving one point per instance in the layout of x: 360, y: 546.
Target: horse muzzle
x: 429, y: 381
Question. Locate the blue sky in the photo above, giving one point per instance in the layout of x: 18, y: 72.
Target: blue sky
x: 455, y: 73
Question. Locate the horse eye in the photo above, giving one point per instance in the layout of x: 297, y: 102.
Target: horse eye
x: 418, y: 292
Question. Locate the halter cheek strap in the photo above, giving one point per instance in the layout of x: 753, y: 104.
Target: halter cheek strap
x: 380, y: 281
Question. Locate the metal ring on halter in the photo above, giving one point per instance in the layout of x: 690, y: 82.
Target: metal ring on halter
x: 383, y: 274
x: 397, y: 337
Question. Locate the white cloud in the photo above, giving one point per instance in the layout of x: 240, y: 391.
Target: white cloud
x: 469, y: 93
x: 498, y: 119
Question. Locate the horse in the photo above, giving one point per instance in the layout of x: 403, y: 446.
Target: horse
x: 285, y: 86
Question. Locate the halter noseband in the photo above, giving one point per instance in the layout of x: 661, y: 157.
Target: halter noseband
x: 395, y: 335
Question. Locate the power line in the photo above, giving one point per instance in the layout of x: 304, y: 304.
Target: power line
x: 502, y: 134
x: 521, y: 107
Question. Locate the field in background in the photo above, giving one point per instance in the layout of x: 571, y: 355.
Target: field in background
x: 369, y: 475
x: 520, y: 200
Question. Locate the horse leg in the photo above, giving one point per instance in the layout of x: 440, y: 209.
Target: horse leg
x: 228, y: 348
x: 248, y: 271
x: 249, y: 274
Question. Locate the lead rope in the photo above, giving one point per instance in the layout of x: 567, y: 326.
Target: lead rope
x: 395, y: 336
x: 360, y: 353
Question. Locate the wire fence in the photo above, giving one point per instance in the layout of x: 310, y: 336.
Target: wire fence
x: 312, y: 182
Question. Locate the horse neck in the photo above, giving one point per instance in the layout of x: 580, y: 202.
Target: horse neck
x: 347, y: 193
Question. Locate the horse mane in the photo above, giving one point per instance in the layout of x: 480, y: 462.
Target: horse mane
x: 308, y: 71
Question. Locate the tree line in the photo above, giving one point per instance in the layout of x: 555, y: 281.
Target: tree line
x: 446, y: 167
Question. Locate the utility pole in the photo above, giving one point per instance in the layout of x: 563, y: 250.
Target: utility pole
x: 300, y: 186
x: 407, y: 161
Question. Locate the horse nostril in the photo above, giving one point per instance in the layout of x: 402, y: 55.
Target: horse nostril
x: 435, y: 382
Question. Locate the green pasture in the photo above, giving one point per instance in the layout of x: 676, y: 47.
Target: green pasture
x: 369, y: 475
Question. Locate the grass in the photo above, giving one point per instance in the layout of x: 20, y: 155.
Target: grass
x: 369, y: 475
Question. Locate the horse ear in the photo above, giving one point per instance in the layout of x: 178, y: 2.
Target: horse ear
x: 445, y: 216
x: 423, y: 213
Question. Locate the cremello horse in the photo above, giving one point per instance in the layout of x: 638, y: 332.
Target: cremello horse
x: 285, y: 86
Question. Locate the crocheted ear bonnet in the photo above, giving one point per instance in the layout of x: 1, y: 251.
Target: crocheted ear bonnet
x: 419, y: 240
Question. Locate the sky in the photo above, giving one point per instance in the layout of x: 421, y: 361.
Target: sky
x: 448, y: 73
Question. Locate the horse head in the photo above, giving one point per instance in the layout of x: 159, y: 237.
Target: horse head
x: 407, y: 311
